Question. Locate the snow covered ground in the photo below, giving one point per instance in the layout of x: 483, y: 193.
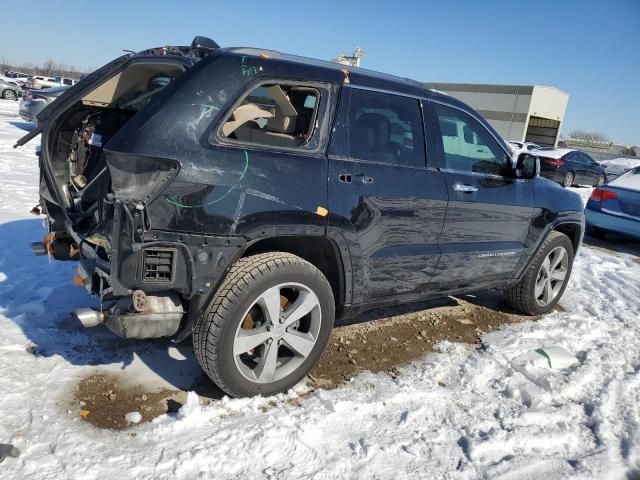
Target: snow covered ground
x: 497, y: 411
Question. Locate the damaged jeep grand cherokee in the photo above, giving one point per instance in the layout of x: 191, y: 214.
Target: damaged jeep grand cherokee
x: 248, y: 198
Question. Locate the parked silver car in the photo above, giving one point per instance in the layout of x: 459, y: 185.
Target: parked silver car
x: 33, y: 101
x: 10, y: 91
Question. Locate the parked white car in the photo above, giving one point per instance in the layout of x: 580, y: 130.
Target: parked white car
x: 39, y: 82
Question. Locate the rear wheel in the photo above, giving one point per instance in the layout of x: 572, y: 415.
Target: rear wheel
x: 546, y: 278
x: 568, y: 180
x: 267, y: 325
x: 9, y: 94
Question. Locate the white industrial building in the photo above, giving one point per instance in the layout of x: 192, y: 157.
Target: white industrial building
x: 526, y: 113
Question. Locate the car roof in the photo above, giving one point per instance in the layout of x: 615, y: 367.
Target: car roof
x: 355, y: 75
x: 556, y: 152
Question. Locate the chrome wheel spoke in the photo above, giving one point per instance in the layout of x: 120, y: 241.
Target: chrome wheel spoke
x: 547, y: 295
x: 265, y: 371
x: 299, y: 343
x: 559, y: 274
x: 247, y: 340
x: 557, y: 258
x: 304, y: 304
x: 269, y: 301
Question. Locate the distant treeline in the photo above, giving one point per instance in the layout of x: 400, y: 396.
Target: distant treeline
x: 49, y: 68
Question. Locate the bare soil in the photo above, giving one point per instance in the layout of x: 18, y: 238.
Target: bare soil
x: 103, y: 402
x: 380, y: 341
x: 386, y: 343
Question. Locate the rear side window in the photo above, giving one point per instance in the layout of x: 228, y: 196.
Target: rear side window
x: 379, y: 127
x: 275, y: 115
x: 467, y: 145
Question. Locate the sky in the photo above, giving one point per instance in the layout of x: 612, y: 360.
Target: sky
x: 590, y: 49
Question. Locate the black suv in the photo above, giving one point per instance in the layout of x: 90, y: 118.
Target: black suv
x: 249, y: 198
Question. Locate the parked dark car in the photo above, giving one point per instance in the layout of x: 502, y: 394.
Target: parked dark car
x: 249, y: 197
x: 10, y: 91
x: 570, y: 167
x: 615, y: 207
x: 33, y: 101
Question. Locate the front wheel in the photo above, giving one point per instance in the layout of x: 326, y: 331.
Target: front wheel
x: 266, y: 326
x: 546, y: 277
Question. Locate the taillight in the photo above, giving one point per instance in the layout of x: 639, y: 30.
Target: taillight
x: 599, y: 195
x: 553, y: 162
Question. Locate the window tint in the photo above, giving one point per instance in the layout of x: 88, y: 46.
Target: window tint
x: 467, y: 145
x: 379, y: 127
x: 587, y: 159
x: 274, y: 115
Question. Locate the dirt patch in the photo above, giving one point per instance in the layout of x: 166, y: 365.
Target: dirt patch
x: 103, y: 402
x: 385, y: 344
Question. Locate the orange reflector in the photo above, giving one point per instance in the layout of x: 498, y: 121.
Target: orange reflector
x: 323, y: 212
x: 79, y: 281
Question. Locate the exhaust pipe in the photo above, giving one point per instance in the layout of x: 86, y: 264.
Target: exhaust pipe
x: 89, y: 317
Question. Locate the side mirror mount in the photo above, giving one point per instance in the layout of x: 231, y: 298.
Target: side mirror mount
x: 527, y: 166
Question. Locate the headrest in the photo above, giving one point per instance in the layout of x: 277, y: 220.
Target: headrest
x: 281, y: 123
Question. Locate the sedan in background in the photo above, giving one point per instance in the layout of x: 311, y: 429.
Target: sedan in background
x: 524, y: 145
x: 615, y: 207
x: 570, y: 167
x: 33, y: 101
x: 10, y: 91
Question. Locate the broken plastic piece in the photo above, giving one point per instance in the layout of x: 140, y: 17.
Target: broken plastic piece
x: 557, y: 357
x: 84, y: 413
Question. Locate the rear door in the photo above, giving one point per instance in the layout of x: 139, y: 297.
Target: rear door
x: 577, y: 165
x: 382, y: 199
x: 590, y: 172
x: 489, y: 212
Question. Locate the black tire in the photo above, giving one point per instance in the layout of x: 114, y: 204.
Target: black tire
x: 521, y: 296
x: 569, y: 178
x: 9, y: 94
x: 600, y: 180
x: 215, y: 330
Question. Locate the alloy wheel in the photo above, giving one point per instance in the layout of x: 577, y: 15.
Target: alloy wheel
x: 568, y: 179
x: 9, y: 95
x: 551, y: 276
x: 277, y: 333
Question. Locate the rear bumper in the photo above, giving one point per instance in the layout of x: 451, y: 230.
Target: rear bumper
x: 613, y: 223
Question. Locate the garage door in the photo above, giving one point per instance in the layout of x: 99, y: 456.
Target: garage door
x: 542, y: 131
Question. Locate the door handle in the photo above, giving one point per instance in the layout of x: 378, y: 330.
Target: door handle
x: 465, y: 188
x: 351, y: 177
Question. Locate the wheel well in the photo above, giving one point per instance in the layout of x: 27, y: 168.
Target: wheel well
x: 571, y: 230
x: 319, y: 251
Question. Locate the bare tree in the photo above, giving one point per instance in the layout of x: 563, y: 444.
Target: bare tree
x: 589, y: 137
x: 48, y: 66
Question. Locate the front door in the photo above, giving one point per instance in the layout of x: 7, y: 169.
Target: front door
x: 382, y: 199
x: 489, y: 211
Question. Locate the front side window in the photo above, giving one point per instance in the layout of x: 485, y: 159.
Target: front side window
x: 275, y: 115
x: 379, y: 127
x: 467, y: 145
